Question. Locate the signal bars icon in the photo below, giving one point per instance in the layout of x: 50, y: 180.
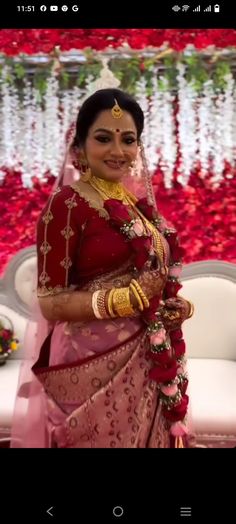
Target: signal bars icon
x: 208, y: 9
x: 197, y: 9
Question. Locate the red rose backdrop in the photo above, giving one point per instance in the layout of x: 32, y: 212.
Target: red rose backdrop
x: 31, y: 41
x: 193, y: 175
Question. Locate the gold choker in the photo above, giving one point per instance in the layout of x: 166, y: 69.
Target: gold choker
x: 108, y: 189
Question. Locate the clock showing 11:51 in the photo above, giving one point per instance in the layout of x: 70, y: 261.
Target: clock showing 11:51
x: 26, y: 8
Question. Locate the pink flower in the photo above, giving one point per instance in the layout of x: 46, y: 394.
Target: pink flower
x: 138, y: 228
x: 169, y: 391
x: 175, y: 271
x: 158, y: 337
x: 178, y: 429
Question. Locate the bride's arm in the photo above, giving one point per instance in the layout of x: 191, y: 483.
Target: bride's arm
x: 73, y: 306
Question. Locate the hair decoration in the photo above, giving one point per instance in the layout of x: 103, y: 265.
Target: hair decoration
x: 116, y: 110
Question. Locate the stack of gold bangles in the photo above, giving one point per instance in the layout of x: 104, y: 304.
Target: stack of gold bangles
x: 117, y: 301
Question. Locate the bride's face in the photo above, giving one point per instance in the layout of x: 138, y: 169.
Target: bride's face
x: 111, y: 145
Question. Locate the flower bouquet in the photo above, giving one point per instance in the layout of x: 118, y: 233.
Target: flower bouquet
x: 8, y: 342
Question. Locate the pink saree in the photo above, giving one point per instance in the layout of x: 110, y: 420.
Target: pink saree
x: 101, y: 396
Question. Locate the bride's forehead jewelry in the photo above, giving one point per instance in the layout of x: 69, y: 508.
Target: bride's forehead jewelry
x: 116, y: 110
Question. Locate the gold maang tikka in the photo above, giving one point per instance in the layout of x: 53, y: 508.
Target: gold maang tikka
x: 116, y: 110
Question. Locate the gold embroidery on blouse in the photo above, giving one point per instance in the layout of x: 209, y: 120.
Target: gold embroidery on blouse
x: 67, y: 232
x: 45, y: 247
x: 44, y: 277
x: 70, y: 202
x: 47, y: 217
x: 66, y: 263
x: 91, y: 196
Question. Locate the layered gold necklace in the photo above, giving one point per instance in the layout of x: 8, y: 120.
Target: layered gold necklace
x: 116, y: 190
x: 109, y: 189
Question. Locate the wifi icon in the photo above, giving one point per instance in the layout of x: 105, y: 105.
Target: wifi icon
x: 176, y: 8
x: 185, y: 7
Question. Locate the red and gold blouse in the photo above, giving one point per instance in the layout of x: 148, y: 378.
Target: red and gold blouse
x: 75, y: 240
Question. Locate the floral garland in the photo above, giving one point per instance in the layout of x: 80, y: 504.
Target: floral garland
x: 166, y: 353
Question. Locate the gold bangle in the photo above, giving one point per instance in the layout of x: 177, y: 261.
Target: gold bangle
x: 140, y: 292
x: 110, y: 303
x: 95, y: 305
x: 191, y: 306
x: 138, y: 298
x: 101, y: 303
x: 191, y: 309
x: 121, y: 302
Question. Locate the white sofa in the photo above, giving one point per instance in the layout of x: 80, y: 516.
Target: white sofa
x: 16, y: 288
x: 211, y: 347
x: 210, y: 339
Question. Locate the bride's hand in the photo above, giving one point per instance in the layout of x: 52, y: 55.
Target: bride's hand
x: 151, y: 282
x: 175, y: 311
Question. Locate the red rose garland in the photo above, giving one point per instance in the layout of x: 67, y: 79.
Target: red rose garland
x: 166, y: 352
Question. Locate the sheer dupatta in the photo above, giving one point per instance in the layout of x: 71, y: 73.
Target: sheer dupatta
x: 29, y: 421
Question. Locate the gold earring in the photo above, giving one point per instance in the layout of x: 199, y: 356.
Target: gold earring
x: 132, y: 167
x: 86, y: 175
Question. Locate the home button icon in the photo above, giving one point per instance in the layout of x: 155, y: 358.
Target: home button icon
x: 118, y: 511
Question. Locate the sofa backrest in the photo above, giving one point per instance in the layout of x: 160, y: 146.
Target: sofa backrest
x: 211, y: 332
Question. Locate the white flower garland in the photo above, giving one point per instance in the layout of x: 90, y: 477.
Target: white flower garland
x: 205, y: 127
x: 169, y: 145
x: 32, y: 131
x: 187, y: 126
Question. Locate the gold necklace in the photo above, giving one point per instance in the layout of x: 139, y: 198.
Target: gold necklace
x: 109, y: 189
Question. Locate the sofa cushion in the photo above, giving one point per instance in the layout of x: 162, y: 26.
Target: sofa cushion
x: 9, y: 374
x: 212, y: 391
x: 211, y: 332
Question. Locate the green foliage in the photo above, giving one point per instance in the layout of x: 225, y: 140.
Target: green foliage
x: 129, y: 70
x: 222, y: 69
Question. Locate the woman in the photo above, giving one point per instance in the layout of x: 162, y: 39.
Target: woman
x: 112, y: 366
